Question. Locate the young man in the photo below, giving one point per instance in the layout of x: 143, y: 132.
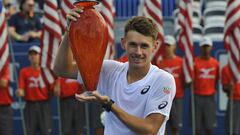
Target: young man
x: 174, y: 65
x: 206, y: 71
x: 37, y: 112
x: 231, y: 88
x: 6, y: 115
x: 132, y: 92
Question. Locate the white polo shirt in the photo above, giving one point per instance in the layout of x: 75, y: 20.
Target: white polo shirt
x: 152, y: 94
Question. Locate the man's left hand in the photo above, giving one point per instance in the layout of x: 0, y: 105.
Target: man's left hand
x: 94, y: 96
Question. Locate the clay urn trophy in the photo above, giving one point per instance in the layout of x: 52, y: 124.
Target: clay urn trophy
x: 88, y: 37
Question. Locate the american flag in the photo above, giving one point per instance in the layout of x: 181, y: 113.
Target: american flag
x: 152, y: 9
x: 51, y: 38
x: 185, y: 40
x: 106, y: 8
x: 66, y: 5
x: 231, y: 37
x: 4, y: 48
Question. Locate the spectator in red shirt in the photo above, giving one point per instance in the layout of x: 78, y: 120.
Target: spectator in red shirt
x: 37, y: 112
x: 229, y: 86
x: 173, y: 64
x: 5, y: 103
x: 72, y: 111
x: 206, y: 75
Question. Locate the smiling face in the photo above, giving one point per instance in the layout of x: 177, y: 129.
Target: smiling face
x: 140, y: 42
x: 139, y: 49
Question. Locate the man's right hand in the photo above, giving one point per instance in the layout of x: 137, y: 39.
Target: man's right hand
x: 20, y: 93
x: 73, y: 15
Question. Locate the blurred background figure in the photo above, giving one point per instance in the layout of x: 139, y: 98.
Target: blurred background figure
x: 72, y: 112
x: 24, y: 26
x: 6, y: 114
x: 232, y: 89
x: 37, y: 111
x: 173, y: 64
x: 206, y: 75
x: 10, y: 6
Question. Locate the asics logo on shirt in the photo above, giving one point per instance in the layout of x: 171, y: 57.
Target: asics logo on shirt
x: 34, y: 82
x: 145, y: 89
x: 171, y: 70
x: 205, y: 73
x: 163, y: 105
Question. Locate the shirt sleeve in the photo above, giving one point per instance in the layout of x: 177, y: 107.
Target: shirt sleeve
x: 5, y: 73
x: 225, y: 78
x: 162, y: 97
x: 38, y: 24
x: 12, y: 21
x: 21, y: 80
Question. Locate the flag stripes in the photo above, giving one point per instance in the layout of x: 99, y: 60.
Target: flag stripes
x: 231, y: 37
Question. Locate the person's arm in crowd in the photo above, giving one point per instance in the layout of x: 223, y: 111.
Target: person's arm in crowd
x: 226, y: 81
x: 57, y: 88
x: 227, y: 88
x: 4, y: 77
x: 20, y: 92
x: 38, y: 32
x: 19, y: 37
x: 35, y: 34
x: 141, y: 126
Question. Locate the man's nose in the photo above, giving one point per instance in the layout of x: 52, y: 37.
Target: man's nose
x: 138, y: 50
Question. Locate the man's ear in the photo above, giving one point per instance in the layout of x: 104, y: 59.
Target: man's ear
x: 156, y: 45
x: 123, y: 42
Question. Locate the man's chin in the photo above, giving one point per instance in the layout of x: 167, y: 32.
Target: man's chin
x: 137, y: 64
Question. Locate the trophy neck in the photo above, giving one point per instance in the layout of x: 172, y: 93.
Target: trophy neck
x: 86, y: 3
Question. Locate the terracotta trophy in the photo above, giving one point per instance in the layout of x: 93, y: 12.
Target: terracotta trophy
x: 88, y: 39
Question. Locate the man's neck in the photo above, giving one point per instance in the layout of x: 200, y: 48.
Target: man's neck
x: 134, y: 75
x: 35, y: 66
x: 28, y: 13
x: 205, y: 57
